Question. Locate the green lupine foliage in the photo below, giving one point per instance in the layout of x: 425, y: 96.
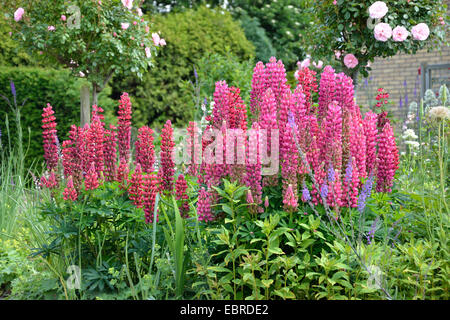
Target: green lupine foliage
x: 190, y: 36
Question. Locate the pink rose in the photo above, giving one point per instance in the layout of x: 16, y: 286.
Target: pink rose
x: 63, y: 18
x: 162, y: 42
x: 350, y: 61
x: 378, y: 10
x: 139, y: 12
x: 148, y: 53
x: 18, y: 14
x: 337, y: 54
x: 420, y: 32
x: 305, y: 63
x: 382, y: 32
x: 125, y: 26
x: 147, y: 29
x: 114, y: 34
x: 318, y: 65
x: 51, y: 28
x: 128, y: 4
x: 399, y: 34
x: 134, y: 23
x: 156, y: 39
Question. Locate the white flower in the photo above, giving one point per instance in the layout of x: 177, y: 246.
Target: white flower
x: 409, y: 134
x: 413, y: 144
x: 439, y: 113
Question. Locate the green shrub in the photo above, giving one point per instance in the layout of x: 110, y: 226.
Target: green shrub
x: 190, y: 35
x: 37, y: 87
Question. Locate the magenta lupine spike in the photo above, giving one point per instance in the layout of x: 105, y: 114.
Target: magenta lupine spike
x: 331, y: 137
x: 327, y: 91
x: 387, y: 161
x: 150, y: 191
x: 345, y: 92
x: 253, y: 177
x: 288, y: 158
x: 250, y: 197
x: 204, y: 206
x: 69, y: 192
x: 145, y: 151
x: 354, y: 186
x: 124, y: 126
x: 110, y: 153
x: 221, y: 107
x: 266, y: 202
x: 334, y: 198
x: 49, y: 135
x: 51, y: 182
x: 95, y: 140
x: 72, y: 156
x: 371, y: 134
x: 276, y: 77
x: 290, y: 199
x: 181, y: 195
x: 136, y: 189
x: 91, y: 178
x: 357, y: 141
x: 259, y: 85
x: 167, y: 166
x: 268, y: 117
x: 122, y: 174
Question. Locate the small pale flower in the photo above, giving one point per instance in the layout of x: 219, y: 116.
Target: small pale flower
x: 399, y: 34
x: 350, y: 61
x: 18, y: 14
x: 51, y: 28
x: 420, y: 32
x: 156, y: 38
x: 125, y: 25
x: 148, y: 53
x: 382, y: 32
x: 128, y: 4
x: 378, y: 10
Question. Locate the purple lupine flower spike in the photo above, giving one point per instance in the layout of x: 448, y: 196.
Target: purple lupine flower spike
x: 305, y: 193
x: 331, y: 176
x: 324, y: 190
x: 13, y: 88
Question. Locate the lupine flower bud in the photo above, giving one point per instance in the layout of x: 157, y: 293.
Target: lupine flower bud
x: 69, y: 191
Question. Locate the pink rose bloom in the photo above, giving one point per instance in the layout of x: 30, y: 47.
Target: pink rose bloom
x: 18, y: 14
x: 148, y: 53
x: 51, y: 28
x: 134, y: 23
x: 147, y: 29
x: 139, y: 12
x: 420, y: 32
x: 335, y: 2
x: 400, y: 34
x: 63, y: 18
x: 337, y: 53
x: 114, y: 34
x: 305, y: 63
x: 156, y: 39
x: 318, y: 65
x: 350, y: 61
x: 382, y: 32
x: 128, y: 4
x: 125, y: 25
x: 378, y: 10
x: 162, y: 42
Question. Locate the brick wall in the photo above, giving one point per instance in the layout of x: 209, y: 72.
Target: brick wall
x: 395, y: 72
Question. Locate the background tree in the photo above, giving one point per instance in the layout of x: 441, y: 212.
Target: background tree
x: 94, y: 39
x: 346, y: 27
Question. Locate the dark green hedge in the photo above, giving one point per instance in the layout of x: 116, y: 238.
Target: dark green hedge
x: 39, y: 87
x: 190, y: 35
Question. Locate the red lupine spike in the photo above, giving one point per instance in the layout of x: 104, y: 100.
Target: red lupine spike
x: 124, y: 127
x: 49, y: 135
x: 145, y: 151
x: 166, y: 170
